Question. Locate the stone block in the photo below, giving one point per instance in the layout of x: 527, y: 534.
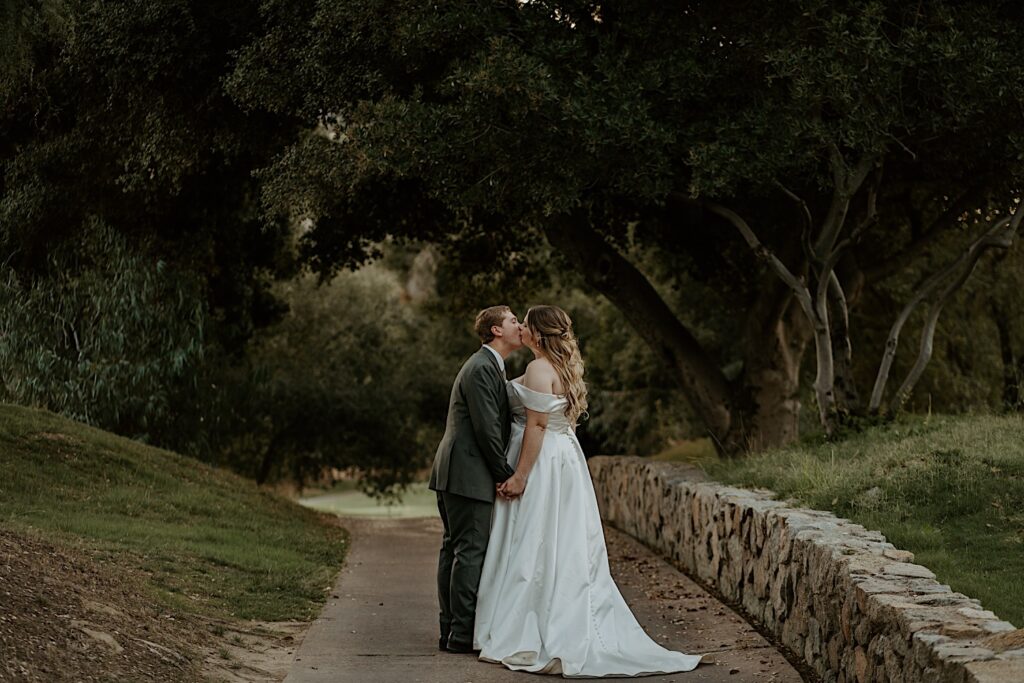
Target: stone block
x: 908, y: 569
x: 995, y: 671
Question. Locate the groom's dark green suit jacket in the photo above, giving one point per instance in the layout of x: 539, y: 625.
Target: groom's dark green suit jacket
x: 471, y: 457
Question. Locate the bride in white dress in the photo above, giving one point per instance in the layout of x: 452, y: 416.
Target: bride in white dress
x: 547, y: 602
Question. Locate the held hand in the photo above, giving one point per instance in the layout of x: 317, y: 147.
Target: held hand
x: 513, y: 487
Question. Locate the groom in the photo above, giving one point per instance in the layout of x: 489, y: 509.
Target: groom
x: 469, y: 462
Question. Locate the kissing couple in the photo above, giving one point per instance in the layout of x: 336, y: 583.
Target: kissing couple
x: 523, y: 577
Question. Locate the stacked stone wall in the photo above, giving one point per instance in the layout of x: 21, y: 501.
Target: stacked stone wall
x: 851, y: 604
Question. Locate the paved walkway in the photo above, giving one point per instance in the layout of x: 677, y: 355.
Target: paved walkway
x: 379, y: 625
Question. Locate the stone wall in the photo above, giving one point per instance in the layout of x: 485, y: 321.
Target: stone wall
x: 854, y: 606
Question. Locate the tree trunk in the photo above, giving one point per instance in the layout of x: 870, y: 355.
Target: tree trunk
x: 847, y: 398
x: 760, y: 410
x: 607, y: 271
x: 771, y: 378
x: 1011, y: 366
x: 271, y: 456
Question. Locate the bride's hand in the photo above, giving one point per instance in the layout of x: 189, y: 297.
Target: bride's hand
x: 513, y: 486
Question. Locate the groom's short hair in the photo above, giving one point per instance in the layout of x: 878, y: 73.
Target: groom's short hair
x: 488, y: 318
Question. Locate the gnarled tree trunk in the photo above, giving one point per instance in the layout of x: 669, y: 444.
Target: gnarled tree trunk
x: 771, y: 379
x: 761, y: 408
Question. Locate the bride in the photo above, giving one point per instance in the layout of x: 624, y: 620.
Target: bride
x: 547, y: 602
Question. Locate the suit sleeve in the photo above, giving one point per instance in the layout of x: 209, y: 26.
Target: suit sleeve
x: 482, y: 399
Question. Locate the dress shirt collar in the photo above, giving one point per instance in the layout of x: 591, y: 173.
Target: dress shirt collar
x: 501, y: 361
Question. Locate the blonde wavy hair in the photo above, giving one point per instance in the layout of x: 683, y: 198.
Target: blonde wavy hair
x: 552, y: 329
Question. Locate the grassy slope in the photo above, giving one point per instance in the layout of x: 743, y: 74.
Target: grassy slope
x: 950, y: 489
x: 211, y: 542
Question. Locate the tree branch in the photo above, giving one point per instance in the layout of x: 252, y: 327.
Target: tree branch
x: 847, y: 182
x: 766, y: 255
x: 965, y: 202
x: 611, y: 274
x: 846, y: 394
x: 808, y: 226
x: 999, y: 235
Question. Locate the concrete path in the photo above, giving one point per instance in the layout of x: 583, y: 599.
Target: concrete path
x: 380, y: 623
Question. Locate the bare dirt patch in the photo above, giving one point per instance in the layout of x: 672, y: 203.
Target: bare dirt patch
x: 254, y: 651
x: 67, y: 616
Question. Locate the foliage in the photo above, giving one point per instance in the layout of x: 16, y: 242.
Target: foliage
x: 349, y: 379
x: 355, y: 378
x: 495, y: 122
x: 115, y: 111
x: 109, y: 336
x: 950, y: 490
x: 498, y: 117
x: 212, y: 131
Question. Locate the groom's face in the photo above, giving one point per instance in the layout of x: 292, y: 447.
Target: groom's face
x: 510, y: 331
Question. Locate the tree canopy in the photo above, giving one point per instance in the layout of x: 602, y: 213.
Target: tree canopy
x: 836, y: 137
x: 782, y: 163
x: 115, y: 111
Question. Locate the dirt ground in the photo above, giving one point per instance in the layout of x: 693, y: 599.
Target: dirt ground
x: 66, y: 615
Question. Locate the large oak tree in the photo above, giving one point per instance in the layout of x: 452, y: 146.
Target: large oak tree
x: 116, y: 112
x: 836, y: 139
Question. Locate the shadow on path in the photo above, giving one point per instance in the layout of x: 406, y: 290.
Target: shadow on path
x: 380, y: 622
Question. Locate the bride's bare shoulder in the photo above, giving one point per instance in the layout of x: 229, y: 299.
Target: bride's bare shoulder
x: 540, y: 365
x: 540, y: 375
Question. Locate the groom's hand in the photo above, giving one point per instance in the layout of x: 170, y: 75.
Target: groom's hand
x: 512, y: 487
x: 501, y: 491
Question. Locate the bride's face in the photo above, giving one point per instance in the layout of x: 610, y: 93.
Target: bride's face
x: 528, y: 339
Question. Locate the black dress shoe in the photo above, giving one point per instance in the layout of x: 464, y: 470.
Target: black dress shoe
x: 442, y: 644
x: 460, y: 648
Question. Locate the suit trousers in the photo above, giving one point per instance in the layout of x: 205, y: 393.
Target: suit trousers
x: 467, y: 528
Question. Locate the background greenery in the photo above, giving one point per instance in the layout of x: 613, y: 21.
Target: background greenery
x: 257, y: 233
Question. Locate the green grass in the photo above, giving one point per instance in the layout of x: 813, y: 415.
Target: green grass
x: 417, y: 501
x: 949, y: 489
x: 692, y: 451
x: 210, y: 542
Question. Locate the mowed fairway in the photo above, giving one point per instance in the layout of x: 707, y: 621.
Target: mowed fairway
x: 417, y: 501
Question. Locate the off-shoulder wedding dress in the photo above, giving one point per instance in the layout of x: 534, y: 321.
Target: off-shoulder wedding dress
x: 547, y: 602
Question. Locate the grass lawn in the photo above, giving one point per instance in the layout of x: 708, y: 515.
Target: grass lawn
x: 210, y: 542
x: 949, y: 489
x: 417, y: 501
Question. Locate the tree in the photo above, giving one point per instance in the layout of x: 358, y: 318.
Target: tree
x: 497, y: 128
x: 349, y: 383
x: 112, y: 337
x: 115, y: 111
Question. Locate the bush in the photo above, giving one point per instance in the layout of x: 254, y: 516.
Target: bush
x: 351, y: 378
x: 108, y: 336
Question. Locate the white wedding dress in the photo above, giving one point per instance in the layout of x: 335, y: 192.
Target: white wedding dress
x: 547, y: 602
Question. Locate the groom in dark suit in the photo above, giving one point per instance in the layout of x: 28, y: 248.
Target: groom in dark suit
x: 469, y: 463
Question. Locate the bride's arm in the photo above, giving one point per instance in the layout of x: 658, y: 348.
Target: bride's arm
x: 539, y: 377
